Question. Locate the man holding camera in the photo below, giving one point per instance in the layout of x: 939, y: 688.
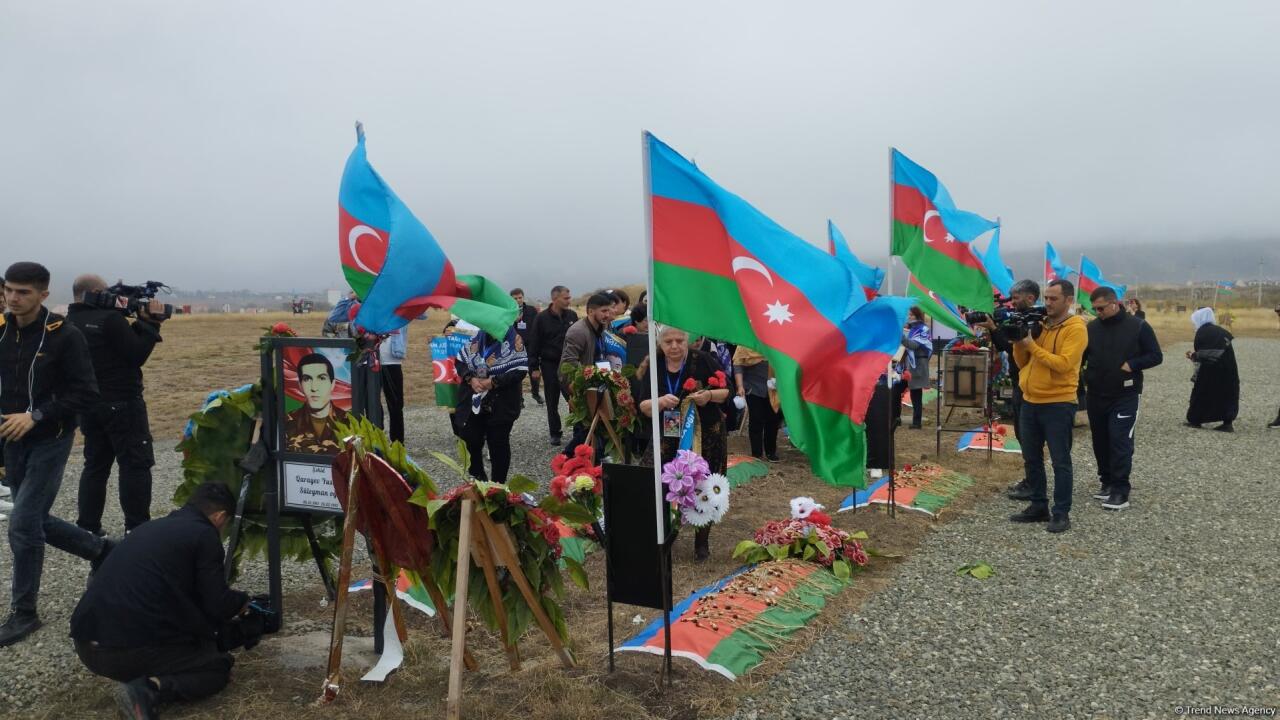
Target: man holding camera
x: 45, y: 380
x: 1049, y: 375
x: 116, y: 430
x: 158, y: 616
x: 1023, y: 295
x: 1121, y: 346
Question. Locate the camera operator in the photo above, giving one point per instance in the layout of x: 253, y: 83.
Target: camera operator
x: 158, y: 612
x: 1023, y: 295
x: 116, y: 428
x: 1121, y: 346
x: 1049, y: 376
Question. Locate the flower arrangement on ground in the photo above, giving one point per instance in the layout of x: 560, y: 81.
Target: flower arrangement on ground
x: 698, y: 496
x: 535, y: 536
x: 807, y: 535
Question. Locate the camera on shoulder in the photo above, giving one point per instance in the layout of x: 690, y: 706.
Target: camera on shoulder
x: 1015, y: 323
x: 129, y: 299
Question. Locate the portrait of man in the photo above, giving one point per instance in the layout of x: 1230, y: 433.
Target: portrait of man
x: 310, y: 428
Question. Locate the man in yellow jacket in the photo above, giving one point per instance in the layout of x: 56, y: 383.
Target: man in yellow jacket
x: 1048, y: 377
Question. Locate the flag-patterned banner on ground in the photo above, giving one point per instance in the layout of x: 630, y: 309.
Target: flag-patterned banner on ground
x: 742, y: 469
x: 723, y: 269
x: 408, y: 588
x: 924, y: 488
x: 933, y: 236
x: 394, y: 264
x: 1004, y: 439
x: 445, y: 380
x: 926, y: 398
x: 728, y: 626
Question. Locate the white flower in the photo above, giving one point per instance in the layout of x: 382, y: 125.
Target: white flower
x: 802, y: 507
x: 711, y: 502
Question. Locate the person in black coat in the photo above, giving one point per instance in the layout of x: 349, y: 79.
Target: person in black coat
x: 1215, y: 394
x: 492, y: 371
x: 546, y: 344
x: 525, y: 315
x: 158, y: 609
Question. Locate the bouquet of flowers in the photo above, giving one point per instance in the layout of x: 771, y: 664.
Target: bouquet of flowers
x: 715, y: 382
x: 580, y: 379
x: 807, y: 535
x: 700, y: 496
x: 577, y: 482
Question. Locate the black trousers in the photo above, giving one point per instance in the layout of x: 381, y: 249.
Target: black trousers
x: 551, y: 379
x: 116, y: 432
x: 1111, y: 423
x: 762, y: 426
x: 186, y: 672
x: 483, y: 430
x: 393, y: 391
x: 533, y: 386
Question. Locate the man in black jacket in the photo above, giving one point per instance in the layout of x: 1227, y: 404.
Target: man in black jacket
x: 154, y: 611
x: 1024, y: 295
x: 525, y: 317
x: 115, y: 429
x: 546, y: 343
x: 1121, y: 346
x: 45, y: 380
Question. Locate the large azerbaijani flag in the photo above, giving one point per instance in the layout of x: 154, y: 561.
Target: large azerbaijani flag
x: 933, y: 237
x: 1054, y: 268
x: 1091, y: 279
x: 723, y: 269
x: 943, y: 311
x: 395, y: 266
x: 869, y: 276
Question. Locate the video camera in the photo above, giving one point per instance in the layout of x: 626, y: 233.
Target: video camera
x: 129, y: 299
x: 246, y: 631
x: 1018, y: 323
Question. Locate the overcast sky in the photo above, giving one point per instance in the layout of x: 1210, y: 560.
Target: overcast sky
x: 202, y: 143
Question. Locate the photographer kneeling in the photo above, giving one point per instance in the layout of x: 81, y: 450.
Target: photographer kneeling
x: 158, y: 614
x: 116, y: 429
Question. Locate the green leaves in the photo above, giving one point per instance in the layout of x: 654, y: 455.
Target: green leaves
x: 577, y: 573
x: 841, y: 569
x: 570, y: 512
x: 981, y: 570
x: 520, y: 484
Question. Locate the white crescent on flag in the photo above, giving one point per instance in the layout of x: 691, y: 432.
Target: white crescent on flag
x: 746, y: 263
x: 353, y: 236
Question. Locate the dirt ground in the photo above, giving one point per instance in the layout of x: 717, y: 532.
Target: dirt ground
x: 283, y: 677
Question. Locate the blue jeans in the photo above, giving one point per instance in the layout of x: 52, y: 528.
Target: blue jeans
x: 1048, y: 423
x: 35, y: 474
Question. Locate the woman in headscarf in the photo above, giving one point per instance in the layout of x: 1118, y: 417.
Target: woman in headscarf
x: 491, y: 370
x: 678, y: 364
x: 915, y: 336
x: 756, y: 388
x: 1215, y: 396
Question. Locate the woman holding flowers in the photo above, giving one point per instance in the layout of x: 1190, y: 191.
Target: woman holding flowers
x: 687, y: 378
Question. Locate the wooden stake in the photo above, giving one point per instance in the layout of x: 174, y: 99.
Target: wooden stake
x: 505, y: 551
x: 454, y: 702
x: 333, y: 679
x: 480, y: 546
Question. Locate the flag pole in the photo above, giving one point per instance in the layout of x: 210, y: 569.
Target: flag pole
x: 652, y: 297
x: 889, y: 270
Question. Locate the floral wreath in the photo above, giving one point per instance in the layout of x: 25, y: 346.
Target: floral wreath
x: 580, y: 379
x: 807, y: 535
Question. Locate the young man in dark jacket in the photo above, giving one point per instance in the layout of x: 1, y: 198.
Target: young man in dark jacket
x: 115, y: 429
x: 544, y: 345
x: 525, y: 316
x: 46, y: 379
x: 158, y: 613
x: 1121, y: 346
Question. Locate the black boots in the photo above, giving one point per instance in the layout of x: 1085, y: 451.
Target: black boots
x: 20, y: 624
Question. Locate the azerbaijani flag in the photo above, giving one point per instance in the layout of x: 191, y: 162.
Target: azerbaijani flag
x: 1001, y: 275
x: 1054, y: 268
x: 1090, y: 280
x: 395, y: 266
x: 869, y: 276
x: 445, y: 382
x: 933, y: 237
x: 724, y: 270
x: 939, y: 308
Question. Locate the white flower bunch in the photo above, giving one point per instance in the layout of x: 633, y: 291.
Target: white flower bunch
x: 711, y: 501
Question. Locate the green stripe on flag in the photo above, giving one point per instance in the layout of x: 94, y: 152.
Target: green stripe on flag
x: 940, y: 314
x: 961, y: 284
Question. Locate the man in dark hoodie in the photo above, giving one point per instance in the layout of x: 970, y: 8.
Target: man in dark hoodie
x: 46, y: 378
x: 1121, y: 346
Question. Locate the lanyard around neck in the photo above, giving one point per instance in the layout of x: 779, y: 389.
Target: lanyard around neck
x: 675, y: 389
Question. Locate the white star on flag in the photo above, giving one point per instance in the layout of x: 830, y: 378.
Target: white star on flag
x: 779, y: 313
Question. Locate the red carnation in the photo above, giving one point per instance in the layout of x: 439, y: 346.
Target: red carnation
x: 584, y: 452
x: 629, y: 330
x: 690, y: 384
x: 282, y: 328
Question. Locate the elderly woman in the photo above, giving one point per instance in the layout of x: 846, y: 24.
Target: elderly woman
x: 676, y: 366
x: 492, y: 370
x: 1215, y: 396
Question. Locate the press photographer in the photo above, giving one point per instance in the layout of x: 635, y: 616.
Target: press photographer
x: 1018, y: 315
x: 116, y: 428
x: 158, y: 616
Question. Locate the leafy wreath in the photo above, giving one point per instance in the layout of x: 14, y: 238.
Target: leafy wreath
x: 579, y: 379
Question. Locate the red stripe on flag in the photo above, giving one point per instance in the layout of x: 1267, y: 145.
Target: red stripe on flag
x: 1087, y: 284
x: 1049, y: 274
x: 692, y: 236
x: 911, y: 207
x: 360, y: 247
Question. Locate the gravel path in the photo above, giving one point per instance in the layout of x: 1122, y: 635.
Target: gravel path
x: 47, y: 659
x: 1170, y: 603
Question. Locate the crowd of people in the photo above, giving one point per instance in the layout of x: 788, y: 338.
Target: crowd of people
x: 158, y: 615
